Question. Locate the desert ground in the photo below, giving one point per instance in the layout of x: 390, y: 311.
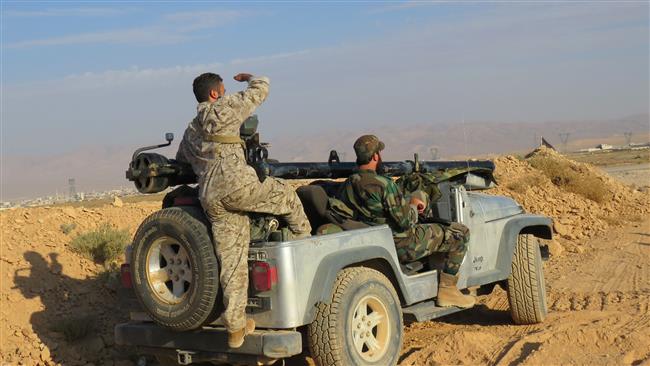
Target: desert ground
x: 597, y: 278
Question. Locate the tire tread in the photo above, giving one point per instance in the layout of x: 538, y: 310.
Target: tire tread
x: 526, y: 303
x: 323, y: 340
x: 205, y: 310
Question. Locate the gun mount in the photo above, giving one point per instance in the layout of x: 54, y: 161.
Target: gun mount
x: 153, y: 173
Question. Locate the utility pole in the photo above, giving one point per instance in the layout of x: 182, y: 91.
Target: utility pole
x: 72, y: 190
x: 434, y: 152
x: 628, y: 138
x: 564, y: 137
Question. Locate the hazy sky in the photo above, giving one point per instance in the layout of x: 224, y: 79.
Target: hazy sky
x: 104, y: 73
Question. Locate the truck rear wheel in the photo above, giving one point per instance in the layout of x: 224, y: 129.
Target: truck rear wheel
x: 174, y: 268
x: 526, y: 287
x: 363, y: 323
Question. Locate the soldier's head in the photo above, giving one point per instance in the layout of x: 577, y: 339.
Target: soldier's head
x: 368, y: 149
x: 208, y: 87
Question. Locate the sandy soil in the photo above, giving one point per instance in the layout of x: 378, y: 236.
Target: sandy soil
x: 598, y: 281
x: 599, y: 314
x: 634, y: 175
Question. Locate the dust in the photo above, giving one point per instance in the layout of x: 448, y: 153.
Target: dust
x: 598, y: 284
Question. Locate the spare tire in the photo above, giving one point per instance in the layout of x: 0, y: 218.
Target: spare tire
x: 174, y: 268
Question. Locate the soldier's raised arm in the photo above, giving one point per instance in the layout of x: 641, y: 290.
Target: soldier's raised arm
x: 246, y: 101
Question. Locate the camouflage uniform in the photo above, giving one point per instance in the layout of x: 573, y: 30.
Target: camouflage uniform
x: 377, y: 200
x: 229, y: 188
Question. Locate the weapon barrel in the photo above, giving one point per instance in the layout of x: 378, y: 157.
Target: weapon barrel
x: 153, y: 172
x: 343, y: 170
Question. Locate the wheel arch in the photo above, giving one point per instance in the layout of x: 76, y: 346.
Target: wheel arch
x: 536, y: 225
x: 374, y: 257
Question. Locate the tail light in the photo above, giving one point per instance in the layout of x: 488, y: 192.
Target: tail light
x: 125, y: 275
x: 264, y: 276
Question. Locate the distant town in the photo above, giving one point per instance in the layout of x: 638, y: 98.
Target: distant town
x: 607, y: 147
x: 72, y: 196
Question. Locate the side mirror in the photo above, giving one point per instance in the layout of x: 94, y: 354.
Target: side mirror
x: 169, y: 137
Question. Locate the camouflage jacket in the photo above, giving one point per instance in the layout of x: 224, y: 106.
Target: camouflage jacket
x: 221, y: 167
x: 376, y: 200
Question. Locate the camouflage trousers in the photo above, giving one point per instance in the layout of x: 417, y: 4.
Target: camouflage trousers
x: 231, y: 234
x: 425, y: 239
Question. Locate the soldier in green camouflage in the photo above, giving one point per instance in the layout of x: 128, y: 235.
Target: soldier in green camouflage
x: 377, y: 200
x: 229, y: 188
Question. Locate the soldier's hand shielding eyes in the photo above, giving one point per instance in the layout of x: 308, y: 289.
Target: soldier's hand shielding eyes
x: 243, y: 77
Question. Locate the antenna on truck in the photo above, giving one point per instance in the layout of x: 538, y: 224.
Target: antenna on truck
x: 462, y: 121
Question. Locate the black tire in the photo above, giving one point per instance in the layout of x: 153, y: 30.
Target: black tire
x: 332, y: 334
x: 174, y: 268
x: 526, y: 287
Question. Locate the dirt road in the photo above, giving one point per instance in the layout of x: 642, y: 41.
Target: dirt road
x: 637, y: 174
x: 599, y: 314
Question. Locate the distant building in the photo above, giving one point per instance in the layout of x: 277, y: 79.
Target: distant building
x: 604, y: 147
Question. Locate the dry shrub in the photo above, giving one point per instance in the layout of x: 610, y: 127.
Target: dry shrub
x: 103, y: 245
x: 564, y: 175
x: 74, y: 328
x: 67, y: 228
x: 522, y: 184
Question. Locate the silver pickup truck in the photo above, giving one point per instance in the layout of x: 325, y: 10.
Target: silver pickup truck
x: 342, y: 298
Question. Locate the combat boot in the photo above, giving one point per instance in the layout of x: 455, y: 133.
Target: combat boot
x: 449, y: 295
x: 236, y: 338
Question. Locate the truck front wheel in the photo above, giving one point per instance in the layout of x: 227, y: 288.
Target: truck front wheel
x: 363, y: 323
x: 526, y: 287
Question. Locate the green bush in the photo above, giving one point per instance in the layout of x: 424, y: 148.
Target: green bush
x: 74, y: 328
x: 103, y: 245
x: 67, y: 228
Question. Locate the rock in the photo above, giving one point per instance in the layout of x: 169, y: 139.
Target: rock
x: 560, y: 229
x: 117, y: 202
x: 70, y: 212
x: 556, y: 249
x: 108, y: 339
x: 93, y: 345
x: 45, y: 354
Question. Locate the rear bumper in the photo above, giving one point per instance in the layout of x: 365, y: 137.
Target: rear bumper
x: 267, y: 343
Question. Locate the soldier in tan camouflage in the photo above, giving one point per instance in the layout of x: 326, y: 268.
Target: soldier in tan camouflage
x: 377, y: 200
x: 229, y: 187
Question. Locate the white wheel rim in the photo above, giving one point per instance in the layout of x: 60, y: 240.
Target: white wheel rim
x: 169, y: 271
x: 370, y: 328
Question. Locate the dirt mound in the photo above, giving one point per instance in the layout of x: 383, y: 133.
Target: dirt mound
x: 50, y: 295
x: 576, y: 218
